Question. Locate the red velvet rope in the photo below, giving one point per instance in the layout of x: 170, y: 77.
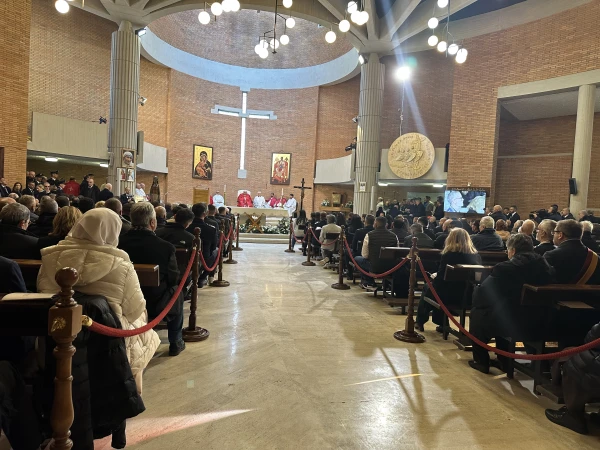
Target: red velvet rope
x: 114, y: 332
x: 203, y: 261
x: 369, y: 274
x: 322, y: 242
x: 546, y: 356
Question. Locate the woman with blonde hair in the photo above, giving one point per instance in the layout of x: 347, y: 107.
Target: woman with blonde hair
x: 64, y: 220
x: 502, y: 230
x: 458, y: 249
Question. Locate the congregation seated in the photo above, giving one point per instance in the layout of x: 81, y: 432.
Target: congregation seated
x: 369, y: 259
x: 210, y: 240
x: 425, y: 225
x: 84, y: 204
x: 48, y: 209
x: 528, y: 229
x: 497, y: 213
x: 62, y: 200
x: 175, y: 232
x: 502, y: 230
x: 487, y: 239
x: 423, y: 241
x: 586, y: 238
x: 516, y: 226
x: 565, y: 214
x: 328, y: 245
x: 114, y: 204
x: 497, y: 310
x: 11, y: 278
x: 211, y: 218
x: 161, y: 216
x: 91, y: 248
x: 29, y: 202
x: 15, y: 241
x: 361, y: 233
x: 440, y: 238
x: 144, y: 247
x: 62, y: 224
x: 399, y: 228
x: 545, y: 232
x: 458, y: 249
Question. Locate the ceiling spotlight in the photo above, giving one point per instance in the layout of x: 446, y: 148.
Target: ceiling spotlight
x: 216, y: 9
x: 142, y: 100
x: 433, y: 40
x: 403, y: 73
x: 61, y: 6
x: 274, y: 43
x: 226, y: 5
x: 442, y: 46
x: 284, y: 39
x: 204, y: 17
x: 290, y: 22
x: 355, y: 17
x: 452, y: 49
x: 287, y: 3
x: 461, y: 55
x: 364, y: 17
x: 141, y: 31
x: 235, y: 5
x: 344, y: 26
x: 330, y: 37
x: 433, y: 23
x: 352, y: 6
x: 361, y: 59
x: 442, y: 3
x: 103, y: 165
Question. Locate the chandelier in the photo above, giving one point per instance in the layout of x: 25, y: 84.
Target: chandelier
x: 217, y: 9
x: 270, y: 39
x: 454, y: 49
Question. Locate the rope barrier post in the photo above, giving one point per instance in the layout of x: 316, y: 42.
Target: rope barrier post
x: 193, y: 333
x: 64, y: 323
x: 409, y: 334
x: 237, y: 247
x: 230, y: 259
x: 290, y: 249
x: 340, y: 284
x: 308, y: 262
x: 220, y: 282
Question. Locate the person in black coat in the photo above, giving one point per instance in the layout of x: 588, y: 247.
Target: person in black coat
x: 423, y: 240
x: 399, y: 228
x: 425, y: 224
x: 114, y: 204
x: 581, y: 384
x: 512, y: 217
x: 90, y: 190
x: 15, y: 241
x: 359, y: 236
x: 419, y: 208
x: 440, y: 238
x: 438, y: 212
x: 497, y: 213
x: 487, y: 239
x: 497, y: 310
x: 209, y: 236
x: 30, y: 189
x: 394, y: 211
x: 458, y: 250
x: 11, y: 278
x: 586, y: 238
x: 145, y: 247
x: 544, y: 237
x: 106, y: 193
x: 43, y: 225
x: 565, y: 213
x: 175, y: 232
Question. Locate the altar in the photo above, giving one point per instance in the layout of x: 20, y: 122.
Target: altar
x: 268, y: 212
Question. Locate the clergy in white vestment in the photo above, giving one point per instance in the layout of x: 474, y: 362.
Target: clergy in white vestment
x: 218, y: 200
x: 259, y: 201
x: 290, y: 205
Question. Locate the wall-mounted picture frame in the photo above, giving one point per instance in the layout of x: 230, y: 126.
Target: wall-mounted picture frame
x: 128, y: 157
x: 202, y: 162
x: 122, y: 173
x: 281, y: 166
x: 130, y: 174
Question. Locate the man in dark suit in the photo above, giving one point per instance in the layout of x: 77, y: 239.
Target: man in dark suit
x: 565, y: 213
x: 90, y: 190
x: 369, y: 259
x: 114, y: 204
x: 11, y: 278
x: 4, y: 188
x: 423, y: 241
x: 487, y: 239
x: 360, y: 234
x: 210, y: 239
x: 44, y: 225
x: 425, y: 224
x: 145, y: 247
x: 440, y: 238
x: 175, y: 232
x: 15, y: 241
x: 544, y: 236
x: 513, y: 216
x: 553, y: 213
x: 419, y: 208
x: 106, y: 193
x: 497, y: 213
x: 30, y: 189
x: 394, y: 211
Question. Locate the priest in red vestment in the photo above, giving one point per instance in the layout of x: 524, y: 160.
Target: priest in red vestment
x: 273, y: 201
x: 244, y: 200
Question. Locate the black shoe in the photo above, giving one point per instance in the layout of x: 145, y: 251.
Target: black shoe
x: 480, y: 367
x: 177, y: 348
x: 497, y: 364
x: 419, y: 327
x: 563, y: 418
x: 203, y: 282
x: 439, y: 329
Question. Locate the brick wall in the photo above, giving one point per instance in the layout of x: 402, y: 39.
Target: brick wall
x: 555, y: 46
x: 15, y: 17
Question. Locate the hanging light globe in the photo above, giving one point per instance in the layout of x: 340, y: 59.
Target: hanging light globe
x: 330, y: 37
x: 452, y: 49
x: 274, y: 43
x: 442, y: 3
x: 355, y: 17
x: 352, y: 6
x: 235, y: 5
x: 287, y: 3
x: 62, y: 6
x: 284, y: 39
x: 433, y: 40
x: 290, y: 22
x: 226, y: 5
x: 216, y: 9
x: 433, y: 23
x: 344, y: 26
x: 442, y: 46
x: 203, y: 17
x: 263, y: 53
x: 364, y: 17
x: 461, y: 55
x: 257, y: 49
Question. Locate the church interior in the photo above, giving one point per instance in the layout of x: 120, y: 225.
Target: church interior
x: 349, y: 108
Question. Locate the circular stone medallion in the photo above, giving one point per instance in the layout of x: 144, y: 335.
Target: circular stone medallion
x: 411, y: 156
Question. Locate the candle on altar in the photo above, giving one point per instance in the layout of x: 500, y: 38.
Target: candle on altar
x: 281, y: 192
x: 224, y: 188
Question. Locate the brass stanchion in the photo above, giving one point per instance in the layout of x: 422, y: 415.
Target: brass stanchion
x: 230, y: 259
x: 237, y: 247
x: 64, y: 324
x: 340, y: 284
x: 290, y: 249
x: 193, y: 333
x: 409, y: 334
x: 308, y: 262
x: 220, y: 282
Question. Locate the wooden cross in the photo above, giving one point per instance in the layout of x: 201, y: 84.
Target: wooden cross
x: 302, y: 188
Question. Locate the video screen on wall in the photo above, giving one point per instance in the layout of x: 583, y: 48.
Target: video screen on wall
x: 466, y: 202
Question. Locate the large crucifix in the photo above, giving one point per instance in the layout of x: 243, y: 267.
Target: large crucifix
x: 302, y: 188
x: 244, y: 114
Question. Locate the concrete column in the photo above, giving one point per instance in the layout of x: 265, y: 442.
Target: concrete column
x: 582, y: 152
x: 368, y: 146
x: 124, y: 97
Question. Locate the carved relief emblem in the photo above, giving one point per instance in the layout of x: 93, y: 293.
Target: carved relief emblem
x: 411, y: 156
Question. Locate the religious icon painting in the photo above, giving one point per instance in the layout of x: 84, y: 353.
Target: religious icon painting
x: 128, y: 157
x: 122, y: 174
x: 130, y: 174
x: 202, y: 162
x: 280, y: 168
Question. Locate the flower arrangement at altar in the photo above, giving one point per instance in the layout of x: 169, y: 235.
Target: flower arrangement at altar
x: 326, y: 202
x: 283, y: 227
x: 349, y: 204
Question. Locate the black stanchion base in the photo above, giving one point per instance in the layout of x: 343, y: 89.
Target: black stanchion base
x: 289, y: 250
x: 341, y: 286
x: 413, y: 338
x: 195, y: 335
x: 230, y: 261
x: 308, y: 263
x: 237, y: 249
x: 220, y: 283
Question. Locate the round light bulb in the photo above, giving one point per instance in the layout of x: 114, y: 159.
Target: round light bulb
x: 235, y: 5
x: 403, y: 73
x: 330, y: 37
x: 433, y: 23
x: 452, y: 49
x: 461, y: 55
x: 203, y: 17
x: 226, y: 5
x: 274, y: 43
x: 442, y: 46
x: 287, y: 3
x: 263, y: 53
x: 364, y: 17
x: 352, y: 6
x: 344, y: 26
x: 442, y: 3
x: 284, y: 39
x: 61, y: 6
x: 290, y: 22
x: 355, y: 17
x: 216, y: 9
x: 257, y: 49
x: 433, y: 40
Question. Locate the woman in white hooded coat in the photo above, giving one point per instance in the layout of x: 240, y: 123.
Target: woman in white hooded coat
x: 91, y: 248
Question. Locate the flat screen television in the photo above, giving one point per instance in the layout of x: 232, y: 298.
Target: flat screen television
x: 466, y: 202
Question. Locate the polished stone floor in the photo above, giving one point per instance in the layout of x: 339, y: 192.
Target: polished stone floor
x: 293, y: 364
